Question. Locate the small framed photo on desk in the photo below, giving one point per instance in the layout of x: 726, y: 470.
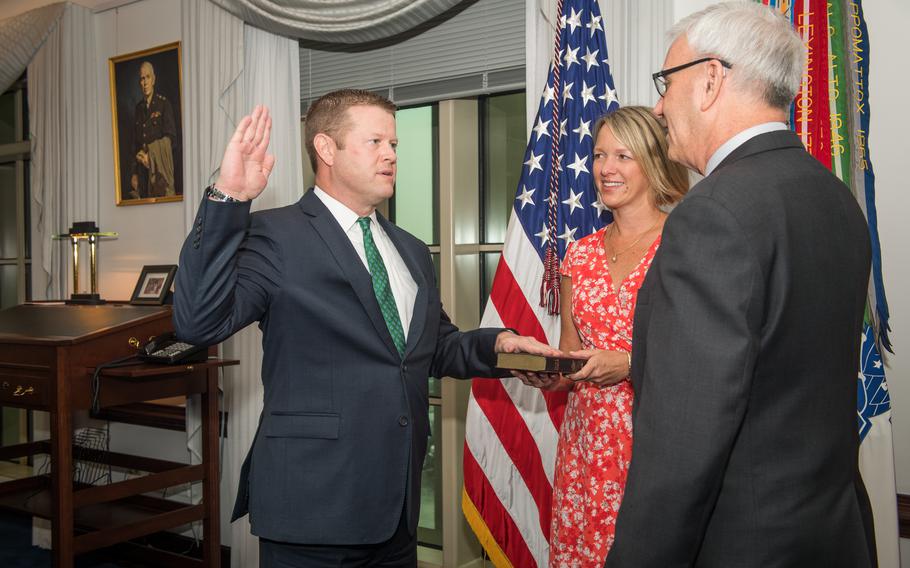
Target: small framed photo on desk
x: 153, y: 285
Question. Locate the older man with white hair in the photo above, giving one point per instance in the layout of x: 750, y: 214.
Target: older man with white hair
x: 746, y: 342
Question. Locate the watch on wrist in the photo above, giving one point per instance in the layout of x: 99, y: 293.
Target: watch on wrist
x: 215, y: 194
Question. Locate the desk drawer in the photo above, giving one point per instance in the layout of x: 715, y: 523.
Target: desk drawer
x: 23, y: 391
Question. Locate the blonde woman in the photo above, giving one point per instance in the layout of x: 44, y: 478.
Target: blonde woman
x: 601, y: 275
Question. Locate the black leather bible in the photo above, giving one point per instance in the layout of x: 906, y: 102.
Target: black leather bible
x: 538, y: 363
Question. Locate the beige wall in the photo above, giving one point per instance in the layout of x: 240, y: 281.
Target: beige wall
x: 152, y: 233
x: 887, y: 21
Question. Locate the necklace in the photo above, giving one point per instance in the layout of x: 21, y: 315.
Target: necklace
x: 615, y: 254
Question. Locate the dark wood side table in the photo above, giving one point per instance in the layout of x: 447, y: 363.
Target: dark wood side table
x: 48, y: 353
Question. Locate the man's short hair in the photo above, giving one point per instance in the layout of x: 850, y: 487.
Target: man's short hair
x: 328, y: 115
x: 765, y: 51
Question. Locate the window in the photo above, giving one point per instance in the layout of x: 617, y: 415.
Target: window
x: 14, y: 235
x: 415, y: 205
x: 479, y: 49
x: 504, y: 138
x: 503, y: 141
x: 458, y: 165
x: 415, y: 208
x: 15, y: 246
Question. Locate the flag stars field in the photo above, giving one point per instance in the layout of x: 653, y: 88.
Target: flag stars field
x: 549, y: 94
x: 590, y: 58
x: 578, y: 166
x: 568, y: 235
x: 573, y: 21
x: 609, y: 96
x: 541, y: 128
x: 574, y: 201
x: 584, y: 129
x: 587, y: 93
x: 533, y: 163
x: 525, y: 196
x: 571, y: 57
x: 543, y: 235
x: 594, y: 25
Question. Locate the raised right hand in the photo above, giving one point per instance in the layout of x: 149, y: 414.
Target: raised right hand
x: 245, y: 167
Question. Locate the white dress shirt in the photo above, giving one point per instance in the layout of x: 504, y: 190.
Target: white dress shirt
x: 404, y: 288
x: 738, y: 140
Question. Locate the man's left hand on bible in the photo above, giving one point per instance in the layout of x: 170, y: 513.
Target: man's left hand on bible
x: 508, y: 342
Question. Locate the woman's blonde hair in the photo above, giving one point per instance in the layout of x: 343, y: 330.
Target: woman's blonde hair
x: 639, y: 129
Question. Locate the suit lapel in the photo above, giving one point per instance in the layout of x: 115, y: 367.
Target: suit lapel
x: 339, y: 246
x: 409, y: 255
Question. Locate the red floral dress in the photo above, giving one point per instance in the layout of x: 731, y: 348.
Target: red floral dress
x: 595, y: 441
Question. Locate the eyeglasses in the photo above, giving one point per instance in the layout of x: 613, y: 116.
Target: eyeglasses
x: 660, y: 78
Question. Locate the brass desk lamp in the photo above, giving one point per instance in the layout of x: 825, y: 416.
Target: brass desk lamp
x: 85, y: 231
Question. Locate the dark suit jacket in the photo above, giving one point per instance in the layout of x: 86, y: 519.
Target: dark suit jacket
x: 746, y: 353
x: 343, y: 432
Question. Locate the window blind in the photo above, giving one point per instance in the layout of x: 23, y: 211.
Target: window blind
x: 479, y: 50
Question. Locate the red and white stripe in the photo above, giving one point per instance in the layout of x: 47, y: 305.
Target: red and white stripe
x: 512, y: 430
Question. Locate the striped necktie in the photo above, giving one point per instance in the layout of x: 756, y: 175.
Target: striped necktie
x: 381, y: 286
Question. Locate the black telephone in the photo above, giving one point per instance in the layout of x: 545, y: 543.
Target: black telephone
x: 166, y: 348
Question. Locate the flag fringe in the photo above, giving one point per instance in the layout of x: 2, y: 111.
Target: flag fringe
x: 483, y: 534
x: 549, y: 286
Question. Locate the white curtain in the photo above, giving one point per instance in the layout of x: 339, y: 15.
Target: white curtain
x: 213, y: 63
x: 271, y: 76
x: 229, y: 69
x: 636, y: 38
x: 21, y: 36
x: 540, y: 30
x: 341, y: 21
x: 63, y: 108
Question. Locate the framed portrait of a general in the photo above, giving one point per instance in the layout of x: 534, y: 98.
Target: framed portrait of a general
x: 147, y: 124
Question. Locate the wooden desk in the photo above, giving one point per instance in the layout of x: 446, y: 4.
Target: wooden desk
x: 47, y: 356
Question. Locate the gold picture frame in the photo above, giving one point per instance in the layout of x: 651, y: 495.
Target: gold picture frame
x: 146, y: 110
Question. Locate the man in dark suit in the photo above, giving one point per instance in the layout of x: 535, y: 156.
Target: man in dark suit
x: 747, y: 328
x: 352, y: 327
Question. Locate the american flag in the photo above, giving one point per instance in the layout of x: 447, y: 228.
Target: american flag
x: 512, y: 430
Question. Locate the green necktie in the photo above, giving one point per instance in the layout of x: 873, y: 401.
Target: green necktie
x: 381, y: 286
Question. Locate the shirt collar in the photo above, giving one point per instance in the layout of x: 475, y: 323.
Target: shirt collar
x: 341, y: 212
x: 738, y: 140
